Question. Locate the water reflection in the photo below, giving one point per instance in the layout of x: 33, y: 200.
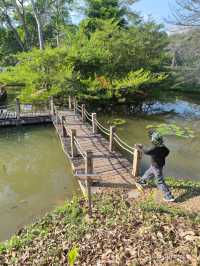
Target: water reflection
x: 34, y: 176
x: 183, y: 161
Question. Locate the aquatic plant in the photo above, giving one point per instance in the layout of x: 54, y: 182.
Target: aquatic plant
x: 116, y: 122
x: 172, y: 130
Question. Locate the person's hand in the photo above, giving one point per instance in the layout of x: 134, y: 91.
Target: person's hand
x: 139, y: 146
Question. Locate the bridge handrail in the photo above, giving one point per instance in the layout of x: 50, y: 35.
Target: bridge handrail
x: 5, y: 107
x: 66, y: 128
x: 96, y: 125
x: 123, y: 144
x: 88, y: 116
x: 78, y: 146
x: 78, y: 108
x: 102, y: 128
x: 87, y: 113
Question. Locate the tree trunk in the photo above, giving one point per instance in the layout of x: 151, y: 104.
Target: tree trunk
x: 57, y: 39
x: 21, y: 14
x: 173, y: 60
x: 9, y: 23
x: 39, y: 26
x: 8, y: 20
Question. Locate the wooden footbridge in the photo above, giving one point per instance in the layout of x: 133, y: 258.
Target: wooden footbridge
x: 24, y: 114
x: 95, y: 152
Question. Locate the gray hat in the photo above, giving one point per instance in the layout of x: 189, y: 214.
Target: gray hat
x: 157, y: 139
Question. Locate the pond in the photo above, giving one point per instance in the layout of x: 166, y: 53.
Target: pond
x: 35, y: 176
x: 184, y: 112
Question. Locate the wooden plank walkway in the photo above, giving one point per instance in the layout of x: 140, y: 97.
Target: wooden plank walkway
x: 10, y: 119
x: 12, y: 115
x: 109, y: 168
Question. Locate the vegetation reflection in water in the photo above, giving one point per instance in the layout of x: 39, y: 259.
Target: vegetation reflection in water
x: 34, y: 176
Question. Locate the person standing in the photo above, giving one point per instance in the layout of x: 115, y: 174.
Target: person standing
x: 158, y: 153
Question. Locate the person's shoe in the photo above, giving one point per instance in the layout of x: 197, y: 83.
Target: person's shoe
x: 169, y: 198
x: 140, y: 184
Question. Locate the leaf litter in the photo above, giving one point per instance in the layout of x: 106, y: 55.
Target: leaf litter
x: 119, y: 233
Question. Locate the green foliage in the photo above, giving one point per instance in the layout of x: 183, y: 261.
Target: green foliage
x: 137, y: 80
x: 8, y: 47
x: 41, y: 71
x: 106, y: 9
x: 72, y: 255
x: 108, y: 64
x: 172, y: 129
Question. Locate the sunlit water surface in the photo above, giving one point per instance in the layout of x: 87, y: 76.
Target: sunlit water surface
x: 34, y: 176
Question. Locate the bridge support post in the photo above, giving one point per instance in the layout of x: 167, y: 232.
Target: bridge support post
x: 52, y: 106
x: 73, y: 147
x: 18, y: 108
x: 75, y: 105
x: 64, y: 131
x: 83, y: 112
x: 89, y: 170
x: 70, y: 102
x: 94, y: 125
x: 111, y: 138
x: 56, y: 117
x: 137, y: 156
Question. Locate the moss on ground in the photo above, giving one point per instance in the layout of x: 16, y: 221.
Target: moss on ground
x: 121, y: 232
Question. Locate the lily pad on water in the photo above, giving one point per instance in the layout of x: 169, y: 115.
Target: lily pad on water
x: 172, y: 130
x: 117, y: 122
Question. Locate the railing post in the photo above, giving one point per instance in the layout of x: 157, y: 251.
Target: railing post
x: 111, y: 138
x: 89, y: 170
x: 75, y: 105
x: 64, y: 131
x: 70, y: 102
x: 73, y: 147
x: 94, y: 125
x: 56, y: 117
x: 89, y: 162
x: 52, y: 106
x: 137, y: 156
x: 18, y: 108
x: 83, y: 112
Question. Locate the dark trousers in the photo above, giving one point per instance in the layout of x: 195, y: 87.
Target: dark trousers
x: 157, y: 174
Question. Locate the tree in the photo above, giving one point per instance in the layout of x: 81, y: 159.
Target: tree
x: 109, y: 9
x: 21, y: 12
x: 6, y: 11
x: 187, y: 13
x: 60, y: 17
x: 38, y: 18
x: 185, y: 51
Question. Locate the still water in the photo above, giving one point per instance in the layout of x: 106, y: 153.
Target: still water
x: 184, y: 159
x: 34, y: 176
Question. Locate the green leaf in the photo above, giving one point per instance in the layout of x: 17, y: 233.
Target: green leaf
x: 72, y: 255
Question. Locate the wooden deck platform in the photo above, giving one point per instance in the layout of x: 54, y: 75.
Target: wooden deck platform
x: 11, y: 119
x: 24, y: 114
